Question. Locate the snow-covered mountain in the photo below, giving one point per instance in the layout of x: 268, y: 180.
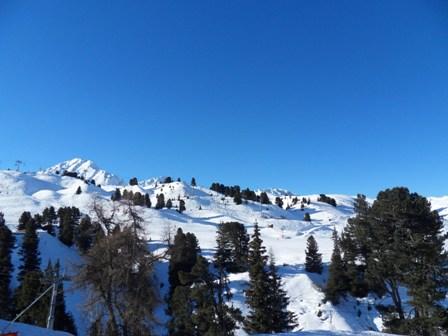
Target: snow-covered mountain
x: 284, y: 233
x: 86, y: 169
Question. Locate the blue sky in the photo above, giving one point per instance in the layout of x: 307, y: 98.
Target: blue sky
x: 316, y: 96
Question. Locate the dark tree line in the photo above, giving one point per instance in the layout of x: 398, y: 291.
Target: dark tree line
x: 136, y: 198
x: 326, y: 199
x: 240, y: 195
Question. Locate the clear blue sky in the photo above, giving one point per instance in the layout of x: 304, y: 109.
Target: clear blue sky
x: 313, y: 96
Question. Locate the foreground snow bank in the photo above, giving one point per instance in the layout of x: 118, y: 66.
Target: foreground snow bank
x: 28, y: 330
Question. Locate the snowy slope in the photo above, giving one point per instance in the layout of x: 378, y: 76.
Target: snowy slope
x: 87, y: 169
x: 28, y: 330
x: 284, y: 233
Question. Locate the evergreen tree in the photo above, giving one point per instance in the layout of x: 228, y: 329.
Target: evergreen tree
x: 169, y: 204
x: 160, y: 201
x: 307, y: 217
x: 116, y: 196
x: 68, y: 220
x: 24, y: 219
x: 406, y: 249
x: 232, y: 247
x: 313, y: 261
x: 198, y: 304
x: 147, y: 201
x: 281, y: 319
x: 237, y: 198
x: 49, y: 218
x: 85, y: 235
x: 6, y: 267
x: 182, y: 256
x: 265, y: 296
x: 138, y: 199
x: 78, y: 191
x: 354, y: 245
x: 337, y: 282
x: 279, y: 202
x: 133, y: 181
x: 29, y: 289
x: 38, y: 220
x: 168, y: 179
x: 258, y: 319
x: 193, y: 182
x: 63, y: 320
x: 264, y: 198
x: 30, y: 278
x: 182, y: 207
x: 181, y: 309
x: 29, y: 252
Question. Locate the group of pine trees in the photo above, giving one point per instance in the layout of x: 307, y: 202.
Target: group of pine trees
x: 396, y: 243
x: 199, y: 292
x: 138, y: 198
x: 240, y: 195
x: 67, y: 223
x: 32, y: 281
x: 326, y: 199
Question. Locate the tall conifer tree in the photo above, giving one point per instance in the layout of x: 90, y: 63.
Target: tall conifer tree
x: 6, y: 246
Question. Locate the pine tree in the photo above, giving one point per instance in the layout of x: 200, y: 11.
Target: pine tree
x: 169, y: 204
x: 257, y: 299
x: 29, y: 289
x: 279, y: 202
x: 193, y: 182
x: 182, y: 207
x: 133, y: 181
x: 6, y: 267
x: 337, y: 282
x: 29, y: 252
x: 138, y: 199
x: 147, y: 201
x: 116, y: 196
x: 264, y: 198
x: 199, y: 303
x: 406, y: 249
x: 237, y: 198
x: 78, y: 191
x: 281, y: 319
x: 85, y: 235
x: 232, y: 247
x: 30, y: 278
x: 181, y: 309
x: 160, y: 202
x: 63, y: 320
x: 313, y: 261
x: 49, y: 218
x: 24, y: 219
x: 67, y: 222
x: 307, y: 217
x: 354, y: 246
x: 182, y: 256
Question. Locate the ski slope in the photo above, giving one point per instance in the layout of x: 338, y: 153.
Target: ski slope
x: 284, y: 233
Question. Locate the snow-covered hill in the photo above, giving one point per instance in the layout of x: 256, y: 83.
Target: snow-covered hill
x: 284, y: 233
x: 86, y: 169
